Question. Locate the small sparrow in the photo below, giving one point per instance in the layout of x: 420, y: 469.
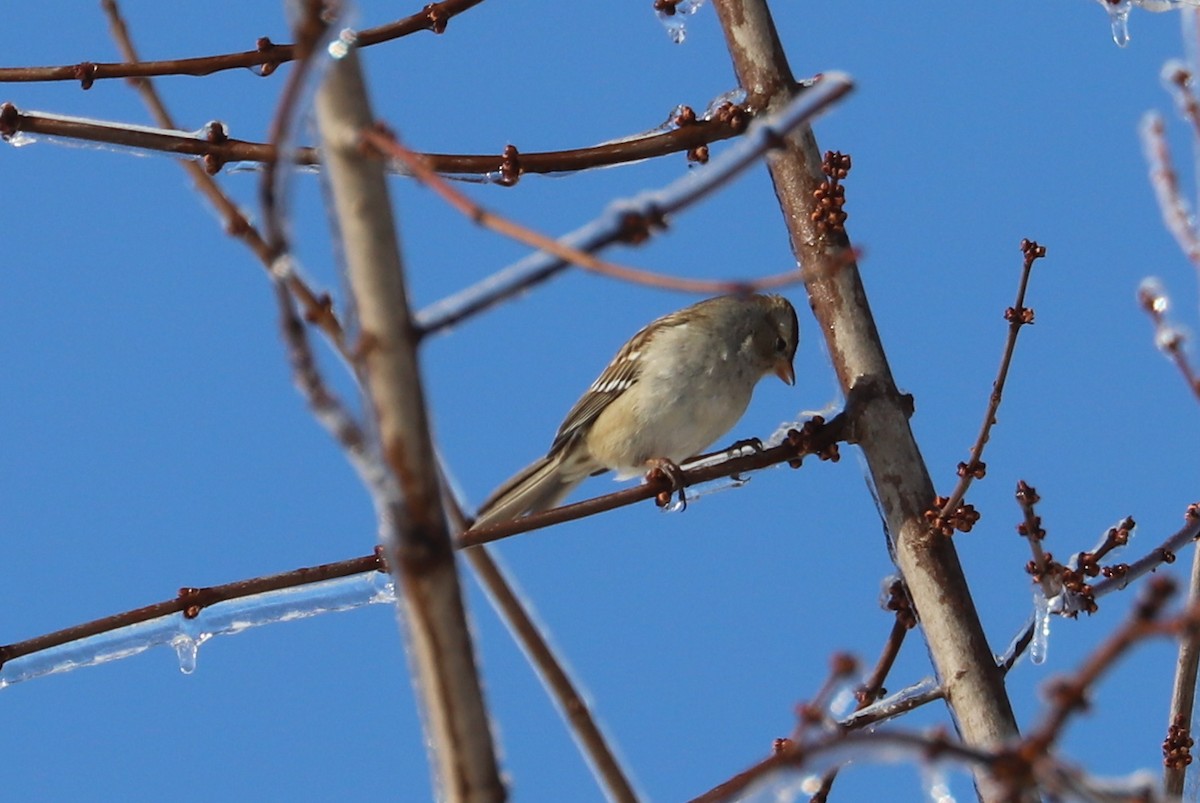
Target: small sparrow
x: 679, y: 384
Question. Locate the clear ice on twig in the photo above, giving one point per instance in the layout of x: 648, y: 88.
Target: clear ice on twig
x: 673, y: 22
x: 1118, y: 13
x: 185, y: 635
x: 1039, y: 644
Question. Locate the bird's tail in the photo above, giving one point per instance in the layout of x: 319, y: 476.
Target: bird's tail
x: 538, y: 486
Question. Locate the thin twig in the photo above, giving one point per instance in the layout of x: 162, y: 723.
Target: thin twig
x: 819, y: 441
x: 1031, y: 529
x: 1121, y: 575
x: 1005, y: 772
x: 387, y: 144
x: 1176, y: 212
x: 530, y: 635
x: 216, y: 149
x: 191, y: 600
x: 634, y: 219
x: 267, y: 55
x: 869, y: 692
x: 863, y: 745
x: 1177, y: 746
x: 817, y: 438
x: 311, y: 28
x: 317, y: 306
x: 1069, y: 695
x: 1017, y: 315
x: 1168, y: 337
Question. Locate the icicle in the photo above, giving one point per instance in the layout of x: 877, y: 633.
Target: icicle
x: 1040, y: 643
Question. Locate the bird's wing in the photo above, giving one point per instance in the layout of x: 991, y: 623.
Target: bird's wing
x: 619, y: 376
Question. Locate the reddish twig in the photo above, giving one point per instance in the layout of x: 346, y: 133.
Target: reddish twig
x: 267, y: 55
x: 1031, y: 529
x: 1177, y: 746
x: 1008, y: 772
x: 386, y: 144
x: 216, y: 149
x: 816, y: 437
x: 318, y: 308
x: 871, y: 689
x: 948, y: 516
x: 635, y: 219
x: 1069, y: 695
x: 820, y: 440
x: 1120, y: 575
x: 191, y: 600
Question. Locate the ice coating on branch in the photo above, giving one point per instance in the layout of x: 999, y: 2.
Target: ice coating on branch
x: 185, y: 635
x: 895, y: 704
x: 1039, y: 644
x: 1118, y: 13
x: 734, y: 96
x: 1153, y: 295
x: 673, y: 20
x: 933, y: 779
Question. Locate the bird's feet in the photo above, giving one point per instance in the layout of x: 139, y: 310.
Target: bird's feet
x: 662, y: 467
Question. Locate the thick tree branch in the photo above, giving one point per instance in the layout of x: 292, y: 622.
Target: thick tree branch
x: 927, y: 559
x: 416, y: 540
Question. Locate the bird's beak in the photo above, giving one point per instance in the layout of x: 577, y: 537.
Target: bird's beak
x: 785, y: 371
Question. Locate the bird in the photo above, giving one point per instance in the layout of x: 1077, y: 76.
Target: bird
x: 677, y: 385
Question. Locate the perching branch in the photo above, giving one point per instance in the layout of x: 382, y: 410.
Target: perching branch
x: 812, y: 438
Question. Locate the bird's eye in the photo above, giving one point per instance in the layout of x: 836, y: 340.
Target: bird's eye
x: 780, y: 345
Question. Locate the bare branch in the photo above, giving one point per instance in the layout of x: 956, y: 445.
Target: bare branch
x: 1177, y: 747
x: 928, y: 562
x: 387, y: 144
x: 191, y: 601
x: 416, y: 540
x: 267, y: 55
x: 816, y: 437
x: 949, y: 514
x: 633, y: 220
x: 318, y: 307
x: 216, y: 149
x: 571, y: 703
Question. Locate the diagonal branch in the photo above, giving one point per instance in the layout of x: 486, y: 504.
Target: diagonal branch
x: 635, y: 219
x: 317, y: 306
x: 416, y: 541
x: 813, y: 438
x: 416, y: 164
x: 928, y: 561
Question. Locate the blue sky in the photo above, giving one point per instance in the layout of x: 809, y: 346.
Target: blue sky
x: 152, y: 437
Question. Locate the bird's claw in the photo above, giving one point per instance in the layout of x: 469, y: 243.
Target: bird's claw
x: 662, y: 467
